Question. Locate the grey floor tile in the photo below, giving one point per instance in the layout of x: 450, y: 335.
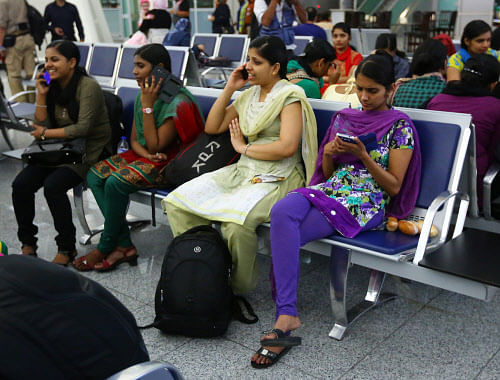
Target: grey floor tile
x: 433, y: 344
x: 277, y: 371
x: 465, y: 306
x: 210, y: 359
x: 428, y: 333
x: 492, y: 369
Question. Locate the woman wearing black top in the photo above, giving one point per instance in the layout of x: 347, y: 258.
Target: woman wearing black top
x: 221, y: 18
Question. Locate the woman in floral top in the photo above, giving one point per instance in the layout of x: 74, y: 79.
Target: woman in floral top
x: 349, y: 192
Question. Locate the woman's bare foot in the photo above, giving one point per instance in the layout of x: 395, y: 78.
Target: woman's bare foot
x: 284, y: 323
x: 87, y: 262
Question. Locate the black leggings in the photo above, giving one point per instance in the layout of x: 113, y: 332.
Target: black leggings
x: 56, y: 182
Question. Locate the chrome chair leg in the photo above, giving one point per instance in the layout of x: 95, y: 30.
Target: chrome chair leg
x: 373, y: 298
x: 340, y: 260
x: 88, y: 233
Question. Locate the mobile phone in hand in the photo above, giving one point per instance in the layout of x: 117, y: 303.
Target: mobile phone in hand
x: 46, y: 76
x: 244, y: 73
x: 347, y: 138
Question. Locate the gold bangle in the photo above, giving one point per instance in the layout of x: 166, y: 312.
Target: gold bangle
x: 41, y: 105
x: 246, y: 148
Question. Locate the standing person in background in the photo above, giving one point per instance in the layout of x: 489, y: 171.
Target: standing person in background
x: 144, y: 5
x: 308, y: 28
x: 160, y: 21
x: 387, y: 42
x: 60, y: 17
x: 240, y: 17
x: 276, y: 18
x: 249, y: 18
x: 221, y: 18
x: 17, y: 46
x: 180, y: 10
x: 181, y: 35
x: 476, y: 39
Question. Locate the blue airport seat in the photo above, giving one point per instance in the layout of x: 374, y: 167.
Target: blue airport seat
x: 104, y: 63
x: 85, y: 54
x: 301, y: 43
x: 208, y: 40
x: 125, y: 75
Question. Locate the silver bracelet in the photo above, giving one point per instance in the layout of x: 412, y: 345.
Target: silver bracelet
x: 246, y: 148
x: 41, y: 105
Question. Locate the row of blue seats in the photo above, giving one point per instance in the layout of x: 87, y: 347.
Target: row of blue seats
x: 444, y: 138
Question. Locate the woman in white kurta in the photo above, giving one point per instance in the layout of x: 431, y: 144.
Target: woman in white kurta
x: 268, y: 123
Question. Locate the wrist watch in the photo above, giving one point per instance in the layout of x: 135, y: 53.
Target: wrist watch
x: 147, y: 110
x: 42, y: 136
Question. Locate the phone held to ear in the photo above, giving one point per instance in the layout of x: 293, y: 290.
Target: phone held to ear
x: 244, y: 73
x: 369, y: 139
x: 46, y: 76
x: 170, y: 85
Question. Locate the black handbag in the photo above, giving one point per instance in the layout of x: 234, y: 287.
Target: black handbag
x: 55, y: 152
x: 207, y: 153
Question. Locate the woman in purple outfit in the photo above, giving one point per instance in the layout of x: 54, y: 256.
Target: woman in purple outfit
x: 473, y: 94
x: 349, y: 192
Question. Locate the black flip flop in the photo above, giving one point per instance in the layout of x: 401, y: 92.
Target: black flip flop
x: 281, y: 340
x: 273, y: 357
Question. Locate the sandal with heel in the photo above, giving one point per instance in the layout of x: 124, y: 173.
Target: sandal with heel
x: 128, y: 257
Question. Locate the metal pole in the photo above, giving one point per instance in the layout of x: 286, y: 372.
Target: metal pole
x: 196, y: 16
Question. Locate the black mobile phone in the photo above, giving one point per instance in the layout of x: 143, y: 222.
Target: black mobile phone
x: 170, y: 86
x: 244, y: 73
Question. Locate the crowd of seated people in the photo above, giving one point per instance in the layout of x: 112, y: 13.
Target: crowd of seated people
x: 307, y: 193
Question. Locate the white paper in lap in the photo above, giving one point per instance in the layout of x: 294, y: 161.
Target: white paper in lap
x: 209, y: 200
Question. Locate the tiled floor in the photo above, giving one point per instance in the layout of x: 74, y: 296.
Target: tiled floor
x: 426, y: 334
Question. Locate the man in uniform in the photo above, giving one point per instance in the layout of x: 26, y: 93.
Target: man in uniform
x: 16, y: 44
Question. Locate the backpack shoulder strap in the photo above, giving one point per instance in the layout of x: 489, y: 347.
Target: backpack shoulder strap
x: 238, y: 312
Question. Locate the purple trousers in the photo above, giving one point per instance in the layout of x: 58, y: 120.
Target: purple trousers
x: 295, y: 222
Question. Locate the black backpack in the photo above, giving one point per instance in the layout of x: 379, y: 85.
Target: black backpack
x: 38, y: 28
x: 193, y: 296
x: 207, y: 153
x: 57, y: 324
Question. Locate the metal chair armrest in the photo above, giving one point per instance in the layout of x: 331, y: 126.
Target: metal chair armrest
x: 15, y: 96
x: 488, y: 179
x: 436, y: 204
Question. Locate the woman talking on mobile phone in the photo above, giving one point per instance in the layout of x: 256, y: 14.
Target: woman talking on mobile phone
x: 71, y: 106
x: 159, y: 132
x: 267, y: 122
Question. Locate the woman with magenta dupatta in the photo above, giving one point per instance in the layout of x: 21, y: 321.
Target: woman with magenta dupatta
x: 353, y: 188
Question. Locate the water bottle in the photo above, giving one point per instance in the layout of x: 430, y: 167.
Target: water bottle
x: 122, y: 145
